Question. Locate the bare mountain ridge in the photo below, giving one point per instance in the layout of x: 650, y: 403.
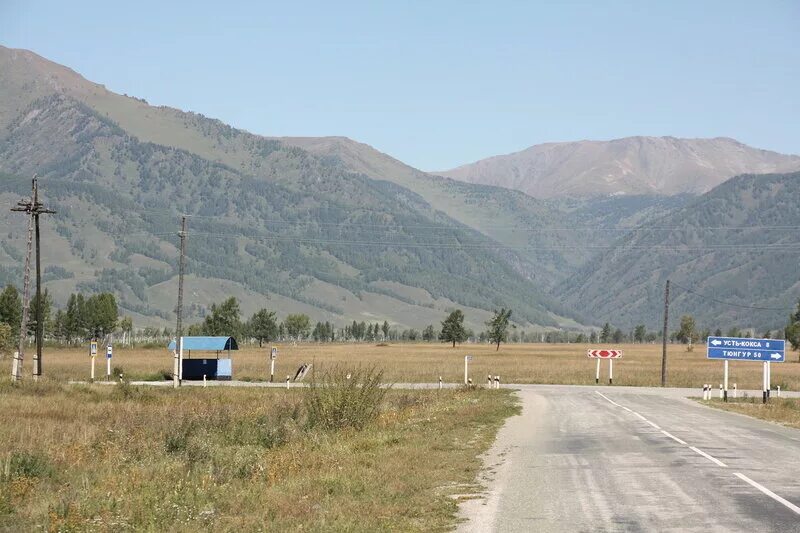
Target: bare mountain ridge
x: 632, y: 165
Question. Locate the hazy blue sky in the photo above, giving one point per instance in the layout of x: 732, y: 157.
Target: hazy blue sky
x: 438, y: 83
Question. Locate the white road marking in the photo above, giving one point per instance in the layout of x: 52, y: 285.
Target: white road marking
x: 608, y: 399
x: 768, y: 492
x: 673, y: 437
x: 712, y: 459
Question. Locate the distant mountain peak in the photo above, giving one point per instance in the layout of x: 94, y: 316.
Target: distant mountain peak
x: 629, y: 165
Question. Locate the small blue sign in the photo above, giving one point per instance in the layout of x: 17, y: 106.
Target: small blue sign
x: 109, y: 350
x: 735, y: 348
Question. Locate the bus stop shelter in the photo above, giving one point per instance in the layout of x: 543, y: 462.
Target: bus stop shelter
x: 217, y: 368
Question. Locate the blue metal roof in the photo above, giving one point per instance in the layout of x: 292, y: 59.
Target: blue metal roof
x: 211, y: 344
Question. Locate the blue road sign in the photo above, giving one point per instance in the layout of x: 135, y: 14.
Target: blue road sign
x: 735, y: 348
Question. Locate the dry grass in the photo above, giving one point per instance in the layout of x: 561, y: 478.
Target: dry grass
x: 515, y: 363
x: 94, y: 458
x: 784, y: 411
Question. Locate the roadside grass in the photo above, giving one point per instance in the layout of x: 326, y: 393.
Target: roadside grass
x: 784, y: 411
x: 126, y: 458
x: 425, y: 362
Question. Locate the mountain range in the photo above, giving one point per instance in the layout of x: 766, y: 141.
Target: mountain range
x: 633, y: 165
x: 341, y: 231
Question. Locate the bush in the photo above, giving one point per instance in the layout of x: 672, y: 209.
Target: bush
x: 27, y: 464
x: 345, y: 399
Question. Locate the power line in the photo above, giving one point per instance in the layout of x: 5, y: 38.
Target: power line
x: 757, y: 308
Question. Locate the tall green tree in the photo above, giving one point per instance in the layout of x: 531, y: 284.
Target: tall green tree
x: 453, y: 328
x: 297, y: 325
x: 618, y: 336
x: 47, y: 307
x: 6, y: 339
x: 11, y: 308
x: 224, y: 319
x: 75, y: 324
x: 385, y: 329
x: 498, y: 327
x: 429, y: 334
x: 688, y: 331
x: 605, y: 334
x: 639, y: 332
x: 101, y: 314
x: 263, y: 326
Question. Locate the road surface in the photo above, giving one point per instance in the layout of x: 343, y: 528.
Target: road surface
x: 625, y: 459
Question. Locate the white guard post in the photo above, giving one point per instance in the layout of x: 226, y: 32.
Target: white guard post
x: 769, y: 379
x: 764, y: 383
x: 467, y: 359
x: 108, y: 362
x: 93, y: 354
x: 725, y: 379
x: 176, y: 363
x: 180, y: 363
x: 597, y: 372
x: 273, y: 354
x: 611, y: 371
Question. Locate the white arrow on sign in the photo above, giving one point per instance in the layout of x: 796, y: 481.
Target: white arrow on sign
x: 715, y: 342
x: 775, y: 356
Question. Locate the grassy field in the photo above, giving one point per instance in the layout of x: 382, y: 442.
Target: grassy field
x: 515, y: 363
x: 121, y: 458
x: 784, y: 411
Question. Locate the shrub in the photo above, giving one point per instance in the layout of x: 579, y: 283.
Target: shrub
x: 27, y: 464
x: 345, y: 399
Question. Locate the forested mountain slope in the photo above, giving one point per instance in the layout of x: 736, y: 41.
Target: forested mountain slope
x: 302, y: 230
x: 737, y: 244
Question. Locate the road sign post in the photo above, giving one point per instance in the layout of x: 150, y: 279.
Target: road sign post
x: 604, y: 354
x: 109, y: 351
x: 92, y: 355
x: 725, y: 383
x: 467, y: 359
x: 273, y: 354
x: 745, y: 349
x: 597, y: 373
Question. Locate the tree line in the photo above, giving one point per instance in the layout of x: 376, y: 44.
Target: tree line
x: 83, y: 317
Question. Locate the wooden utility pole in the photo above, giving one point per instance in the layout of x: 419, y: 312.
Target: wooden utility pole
x: 33, y: 208
x: 664, y: 338
x: 181, y: 268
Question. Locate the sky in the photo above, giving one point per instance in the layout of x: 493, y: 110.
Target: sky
x: 438, y: 84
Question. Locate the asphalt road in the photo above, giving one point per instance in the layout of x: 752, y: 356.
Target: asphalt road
x: 624, y: 459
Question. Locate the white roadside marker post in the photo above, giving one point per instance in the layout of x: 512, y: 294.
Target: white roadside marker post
x: 92, y: 354
x: 108, y: 362
x: 769, y: 379
x: 764, y: 383
x: 705, y: 391
x: 287, y: 383
x: 610, y: 371
x: 597, y: 373
x: 735, y: 395
x: 440, y: 382
x: 725, y: 396
x: 721, y: 395
x: 467, y: 359
x: 204, y: 381
x: 273, y: 354
x: 489, y: 380
x: 497, y: 381
x: 779, y: 391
